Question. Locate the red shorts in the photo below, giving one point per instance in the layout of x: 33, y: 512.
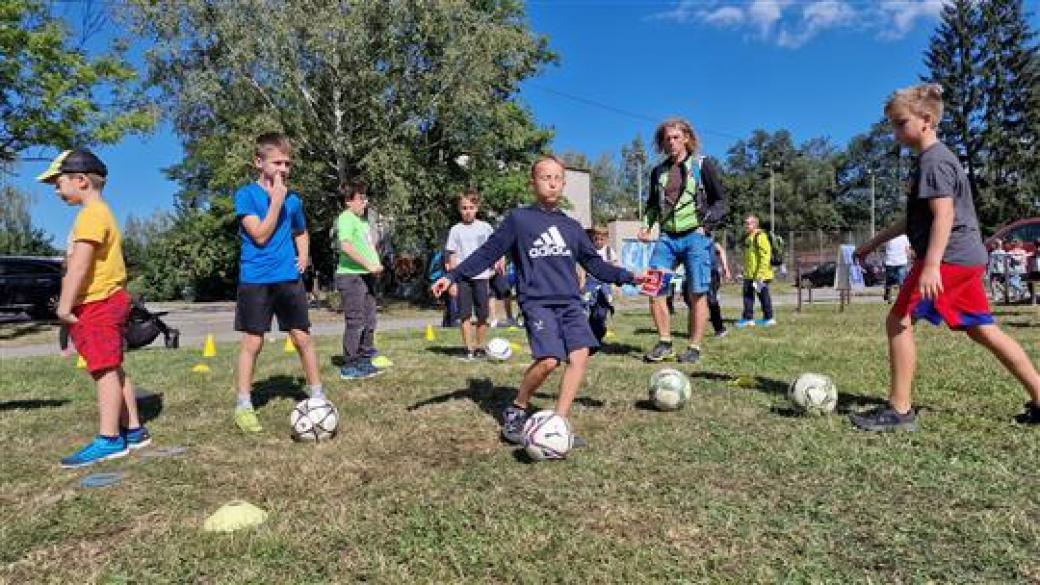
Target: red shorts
x: 98, y: 334
x: 961, y: 304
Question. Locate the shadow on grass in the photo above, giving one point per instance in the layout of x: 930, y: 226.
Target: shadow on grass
x: 494, y: 399
x: 1019, y: 324
x: 32, y: 404
x: 847, y: 402
x: 448, y: 350
x: 610, y: 348
x: 280, y: 386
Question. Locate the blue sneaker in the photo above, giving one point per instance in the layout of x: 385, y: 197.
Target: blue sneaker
x: 100, y: 449
x: 513, y: 419
x: 368, y: 369
x: 745, y: 323
x: 359, y: 371
x: 137, y: 438
x: 765, y: 322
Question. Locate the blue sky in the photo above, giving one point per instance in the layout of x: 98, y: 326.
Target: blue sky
x: 814, y: 67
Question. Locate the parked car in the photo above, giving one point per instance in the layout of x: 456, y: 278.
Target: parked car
x: 822, y: 276
x: 1027, y: 230
x: 30, y: 284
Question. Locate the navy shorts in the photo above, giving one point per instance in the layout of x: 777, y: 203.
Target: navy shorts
x: 500, y: 287
x: 472, y: 299
x: 557, y: 330
x: 693, y: 250
x: 258, y: 303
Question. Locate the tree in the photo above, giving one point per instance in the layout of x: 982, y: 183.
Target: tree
x: 872, y: 157
x: 391, y: 92
x: 17, y: 233
x: 634, y: 173
x: 53, y: 93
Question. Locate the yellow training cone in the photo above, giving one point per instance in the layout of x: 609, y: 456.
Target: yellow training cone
x: 210, y: 350
x: 610, y: 334
x: 430, y: 336
x: 81, y: 363
x: 201, y: 369
x: 290, y: 347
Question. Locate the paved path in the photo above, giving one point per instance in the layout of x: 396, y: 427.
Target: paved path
x: 196, y: 321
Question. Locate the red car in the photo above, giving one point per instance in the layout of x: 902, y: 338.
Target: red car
x: 1027, y: 230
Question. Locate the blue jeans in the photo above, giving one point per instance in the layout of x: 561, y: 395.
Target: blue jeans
x: 763, y: 297
x: 693, y: 251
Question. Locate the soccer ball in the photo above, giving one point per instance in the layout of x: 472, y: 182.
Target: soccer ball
x: 499, y: 349
x: 313, y: 420
x: 669, y: 389
x: 813, y: 394
x: 547, y: 435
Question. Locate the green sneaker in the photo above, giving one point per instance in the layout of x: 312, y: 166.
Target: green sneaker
x: 246, y: 420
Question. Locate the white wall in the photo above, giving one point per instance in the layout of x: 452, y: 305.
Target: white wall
x: 578, y: 191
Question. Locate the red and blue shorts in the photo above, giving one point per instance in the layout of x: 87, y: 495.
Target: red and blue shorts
x: 98, y: 333
x: 961, y: 304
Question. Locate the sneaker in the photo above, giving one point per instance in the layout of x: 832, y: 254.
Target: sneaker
x: 469, y: 356
x: 884, y: 418
x: 745, y: 323
x: 369, y: 369
x: 765, y: 322
x: 138, y: 438
x: 246, y: 420
x: 721, y: 333
x: 359, y: 371
x: 100, y: 449
x: 1031, y: 415
x: 480, y: 354
x: 513, y: 419
x: 578, y: 442
x: 690, y: 356
x: 660, y: 352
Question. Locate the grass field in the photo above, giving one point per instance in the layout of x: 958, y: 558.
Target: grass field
x: 417, y: 486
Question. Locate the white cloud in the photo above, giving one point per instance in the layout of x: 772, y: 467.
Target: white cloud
x: 793, y: 23
x: 726, y: 16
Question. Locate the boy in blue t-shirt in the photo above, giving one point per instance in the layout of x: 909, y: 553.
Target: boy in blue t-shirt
x: 545, y: 245
x: 275, y: 251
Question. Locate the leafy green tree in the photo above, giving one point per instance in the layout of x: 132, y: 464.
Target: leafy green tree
x: 53, y: 93
x: 18, y: 235
x: 634, y: 172
x: 872, y: 157
x: 391, y: 92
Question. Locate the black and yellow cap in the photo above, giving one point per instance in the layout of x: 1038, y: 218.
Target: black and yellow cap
x: 79, y: 160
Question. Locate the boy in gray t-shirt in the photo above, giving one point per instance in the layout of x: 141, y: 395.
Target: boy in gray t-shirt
x: 945, y: 282
x: 471, y: 294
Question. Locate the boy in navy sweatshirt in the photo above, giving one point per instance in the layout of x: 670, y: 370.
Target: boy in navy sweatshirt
x: 546, y: 246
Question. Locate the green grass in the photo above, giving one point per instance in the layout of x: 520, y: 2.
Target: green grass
x: 417, y: 486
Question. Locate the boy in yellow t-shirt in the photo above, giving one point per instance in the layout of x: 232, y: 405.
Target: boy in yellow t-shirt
x: 94, y: 304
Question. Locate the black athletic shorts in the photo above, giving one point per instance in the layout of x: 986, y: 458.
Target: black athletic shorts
x: 500, y: 286
x: 473, y: 297
x: 257, y: 303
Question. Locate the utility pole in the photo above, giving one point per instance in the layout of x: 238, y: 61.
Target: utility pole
x: 871, y: 172
x: 639, y: 195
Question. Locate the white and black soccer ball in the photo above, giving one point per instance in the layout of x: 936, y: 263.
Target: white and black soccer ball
x: 313, y: 420
x: 813, y: 394
x: 547, y: 435
x: 669, y: 389
x: 499, y: 349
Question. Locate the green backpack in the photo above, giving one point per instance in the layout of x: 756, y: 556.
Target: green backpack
x: 776, y: 247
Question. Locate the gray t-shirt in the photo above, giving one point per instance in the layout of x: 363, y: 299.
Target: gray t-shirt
x: 939, y: 174
x: 464, y: 239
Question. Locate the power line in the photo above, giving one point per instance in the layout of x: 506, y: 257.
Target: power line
x: 630, y: 114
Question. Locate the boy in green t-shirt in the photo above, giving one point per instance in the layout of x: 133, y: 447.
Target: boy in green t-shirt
x: 355, y: 280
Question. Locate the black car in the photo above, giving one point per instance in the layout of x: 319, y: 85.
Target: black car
x: 823, y: 276
x: 30, y: 284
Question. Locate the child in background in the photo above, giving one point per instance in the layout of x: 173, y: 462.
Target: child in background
x: 945, y: 281
x: 95, y: 306
x: 471, y: 294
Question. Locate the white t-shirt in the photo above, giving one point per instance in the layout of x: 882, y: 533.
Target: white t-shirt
x: 897, y: 250
x: 608, y: 254
x: 464, y: 239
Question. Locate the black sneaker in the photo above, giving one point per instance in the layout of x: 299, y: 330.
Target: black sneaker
x: 480, y: 354
x: 513, y: 419
x: 578, y: 442
x: 660, y: 352
x: 468, y: 356
x: 1031, y: 415
x: 690, y: 356
x: 884, y: 418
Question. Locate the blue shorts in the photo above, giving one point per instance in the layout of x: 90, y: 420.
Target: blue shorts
x: 557, y: 330
x: 693, y: 251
